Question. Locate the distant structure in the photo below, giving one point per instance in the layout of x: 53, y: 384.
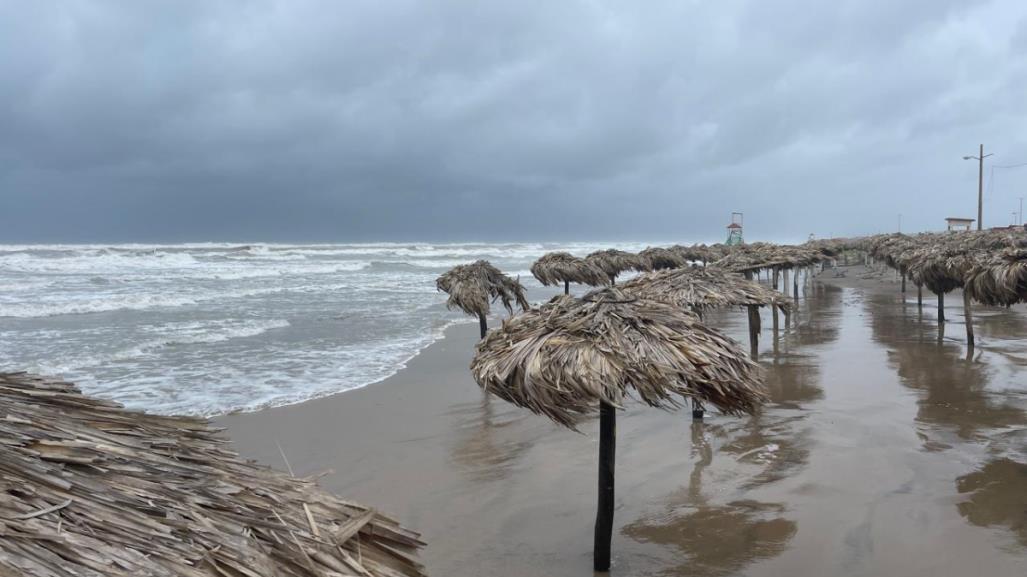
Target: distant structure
x: 957, y: 223
x: 734, y: 230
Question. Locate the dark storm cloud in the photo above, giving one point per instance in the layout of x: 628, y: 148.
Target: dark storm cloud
x: 216, y: 120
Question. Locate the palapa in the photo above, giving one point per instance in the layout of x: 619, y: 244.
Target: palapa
x: 572, y: 357
x: 556, y: 268
x: 659, y: 258
x: 473, y: 287
x: 703, y: 288
x: 613, y: 262
x: 1000, y: 280
x: 92, y: 489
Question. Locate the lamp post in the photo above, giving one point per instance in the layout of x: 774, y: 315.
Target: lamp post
x: 980, y: 186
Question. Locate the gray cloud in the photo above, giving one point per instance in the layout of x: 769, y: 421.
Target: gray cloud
x: 303, y: 120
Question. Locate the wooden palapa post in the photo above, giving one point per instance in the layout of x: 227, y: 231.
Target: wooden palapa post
x: 754, y: 331
x: 903, y: 282
x: 941, y: 307
x: 969, y: 318
x: 919, y: 295
x: 483, y: 325
x: 566, y: 287
x: 604, y: 514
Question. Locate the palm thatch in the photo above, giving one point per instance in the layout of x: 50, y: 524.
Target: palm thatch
x: 659, y: 258
x: 703, y: 288
x: 556, y: 268
x: 472, y: 287
x: 613, y: 262
x: 1000, y: 280
x: 565, y: 358
x: 92, y: 489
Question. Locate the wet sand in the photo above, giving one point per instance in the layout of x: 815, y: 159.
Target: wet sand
x: 885, y: 452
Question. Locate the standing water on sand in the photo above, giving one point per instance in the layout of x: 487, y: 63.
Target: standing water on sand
x: 214, y: 328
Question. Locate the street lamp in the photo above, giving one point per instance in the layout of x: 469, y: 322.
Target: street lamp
x: 980, y: 186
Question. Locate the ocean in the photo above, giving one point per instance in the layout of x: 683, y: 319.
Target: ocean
x: 208, y: 329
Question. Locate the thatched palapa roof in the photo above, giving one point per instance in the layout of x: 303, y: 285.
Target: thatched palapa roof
x: 557, y: 268
x: 566, y: 357
x: 703, y: 288
x: 1000, y: 279
x: 613, y: 262
x: 472, y: 287
x: 88, y: 488
x: 659, y: 258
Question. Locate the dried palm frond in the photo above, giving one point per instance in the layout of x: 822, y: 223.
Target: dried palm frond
x: 557, y: 268
x: 563, y: 359
x: 90, y: 488
x: 472, y: 287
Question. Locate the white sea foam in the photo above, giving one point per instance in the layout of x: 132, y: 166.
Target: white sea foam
x: 165, y: 336
x: 206, y: 328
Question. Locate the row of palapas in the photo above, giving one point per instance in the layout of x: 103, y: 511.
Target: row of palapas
x: 572, y: 357
x: 671, y: 275
x: 92, y: 489
x: 990, y: 266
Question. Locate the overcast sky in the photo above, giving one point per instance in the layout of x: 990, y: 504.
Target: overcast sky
x: 431, y: 120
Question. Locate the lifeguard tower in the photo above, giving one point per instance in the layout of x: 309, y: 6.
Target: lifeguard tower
x: 734, y: 230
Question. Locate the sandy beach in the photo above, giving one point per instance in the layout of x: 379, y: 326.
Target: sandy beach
x: 885, y: 451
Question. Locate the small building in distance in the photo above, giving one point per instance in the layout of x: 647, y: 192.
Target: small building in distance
x: 957, y: 223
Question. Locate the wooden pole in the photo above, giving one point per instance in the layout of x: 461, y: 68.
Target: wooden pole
x: 776, y: 274
x: 697, y: 409
x: 788, y: 319
x: 566, y: 287
x: 773, y: 307
x: 969, y: 318
x: 941, y: 308
x: 903, y: 283
x: 919, y: 295
x: 483, y: 325
x: 604, y: 514
x: 754, y: 331
x: 795, y: 285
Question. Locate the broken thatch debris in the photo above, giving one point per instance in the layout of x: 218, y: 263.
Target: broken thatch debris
x: 89, y: 488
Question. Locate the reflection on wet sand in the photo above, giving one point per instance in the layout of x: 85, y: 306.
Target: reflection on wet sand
x: 955, y: 393
x: 718, y: 540
x: 777, y: 446
x: 957, y: 397
x: 715, y: 539
x: 997, y: 496
x: 483, y: 448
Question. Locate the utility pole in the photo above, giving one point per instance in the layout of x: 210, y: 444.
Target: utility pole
x: 980, y: 190
x: 980, y: 186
